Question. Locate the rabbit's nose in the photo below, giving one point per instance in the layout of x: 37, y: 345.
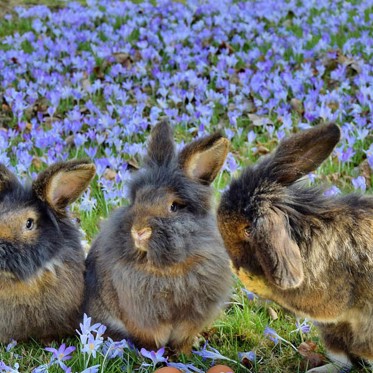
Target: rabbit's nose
x: 141, y: 236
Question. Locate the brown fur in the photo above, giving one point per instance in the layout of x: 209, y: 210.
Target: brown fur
x: 12, y: 226
x: 311, y: 254
x: 42, y: 263
x: 162, y: 287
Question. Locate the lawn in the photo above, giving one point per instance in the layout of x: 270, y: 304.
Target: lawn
x: 89, y: 79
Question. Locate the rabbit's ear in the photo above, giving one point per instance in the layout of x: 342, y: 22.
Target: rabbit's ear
x: 161, y: 146
x: 278, y: 253
x: 303, y: 152
x: 7, y: 178
x: 62, y: 183
x: 202, y: 159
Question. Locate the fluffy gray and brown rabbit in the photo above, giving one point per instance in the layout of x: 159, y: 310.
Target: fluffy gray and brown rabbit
x: 310, y: 253
x: 41, y: 257
x: 158, y: 272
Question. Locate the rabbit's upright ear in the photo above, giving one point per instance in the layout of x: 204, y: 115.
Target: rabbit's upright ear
x: 62, y: 183
x: 161, y: 146
x: 202, y: 159
x: 303, y: 152
x: 277, y: 252
x: 7, y: 179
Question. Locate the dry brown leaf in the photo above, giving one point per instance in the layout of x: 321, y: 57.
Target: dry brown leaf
x: 297, y: 106
x: 259, y: 120
x: 123, y: 58
x: 350, y: 63
x: 272, y: 313
x: 307, y: 350
x: 365, y: 170
x: 109, y: 174
x: 261, y: 150
x: 133, y: 164
x: 37, y: 163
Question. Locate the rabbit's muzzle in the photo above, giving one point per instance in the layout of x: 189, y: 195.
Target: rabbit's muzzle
x: 141, y: 237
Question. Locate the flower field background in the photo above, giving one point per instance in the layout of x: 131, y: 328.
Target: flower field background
x: 89, y: 79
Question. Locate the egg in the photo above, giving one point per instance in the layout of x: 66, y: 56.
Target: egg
x: 220, y: 369
x: 168, y: 370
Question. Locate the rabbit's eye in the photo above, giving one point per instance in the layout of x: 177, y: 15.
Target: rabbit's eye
x: 30, y: 224
x: 174, y: 207
x: 247, y: 231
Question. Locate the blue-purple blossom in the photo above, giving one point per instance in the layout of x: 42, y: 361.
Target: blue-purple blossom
x: 187, y: 368
x: 208, y: 352
x: 155, y: 356
x: 8, y: 369
x: 271, y: 334
x: 11, y: 345
x: 250, y: 355
x: 60, y: 355
x: 249, y: 294
x: 359, y: 183
x: 302, y: 327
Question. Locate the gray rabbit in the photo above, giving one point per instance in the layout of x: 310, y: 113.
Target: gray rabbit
x: 158, y: 272
x: 41, y: 257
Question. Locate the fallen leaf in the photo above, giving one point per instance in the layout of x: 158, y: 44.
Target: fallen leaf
x: 272, y: 313
x: 133, y: 164
x: 307, y: 350
x: 109, y: 174
x: 123, y: 58
x: 297, y: 106
x: 261, y: 150
x: 259, y: 120
x: 37, y: 163
x: 365, y: 170
x: 350, y: 63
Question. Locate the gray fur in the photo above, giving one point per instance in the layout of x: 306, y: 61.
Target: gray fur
x: 170, y: 292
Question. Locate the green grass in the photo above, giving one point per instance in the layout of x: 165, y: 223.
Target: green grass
x: 240, y: 327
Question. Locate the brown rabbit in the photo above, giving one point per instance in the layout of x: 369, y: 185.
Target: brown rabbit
x: 41, y: 258
x: 158, y: 271
x: 310, y: 253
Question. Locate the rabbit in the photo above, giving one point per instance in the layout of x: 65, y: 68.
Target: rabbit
x: 158, y: 272
x: 41, y: 257
x: 310, y: 253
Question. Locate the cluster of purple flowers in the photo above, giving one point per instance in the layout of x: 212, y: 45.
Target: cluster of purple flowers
x: 90, y: 79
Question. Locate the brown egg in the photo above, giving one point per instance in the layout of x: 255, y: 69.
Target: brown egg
x: 168, y: 370
x: 220, y: 369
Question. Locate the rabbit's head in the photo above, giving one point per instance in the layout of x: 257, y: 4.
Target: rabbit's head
x: 170, y: 198
x: 34, y: 226
x: 257, y: 213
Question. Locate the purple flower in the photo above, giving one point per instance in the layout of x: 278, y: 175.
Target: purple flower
x: 93, y: 369
x: 92, y: 345
x: 332, y: 191
x: 114, y: 349
x: 250, y: 295
x: 271, y: 334
x: 247, y: 355
x: 210, y: 353
x: 11, y: 345
x: 61, y: 355
x: 155, y: 357
x: 187, y: 368
x: 7, y: 369
x: 359, y: 183
x: 303, y: 327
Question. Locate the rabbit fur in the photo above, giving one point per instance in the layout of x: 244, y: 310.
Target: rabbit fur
x: 41, y: 258
x: 158, y: 272
x: 310, y: 253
